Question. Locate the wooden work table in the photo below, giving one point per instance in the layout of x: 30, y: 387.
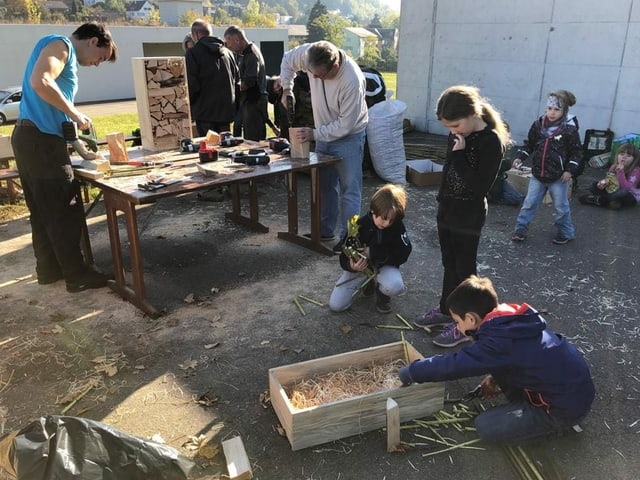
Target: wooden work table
x: 122, y: 194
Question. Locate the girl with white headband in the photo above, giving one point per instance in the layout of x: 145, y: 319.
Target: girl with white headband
x: 554, y: 149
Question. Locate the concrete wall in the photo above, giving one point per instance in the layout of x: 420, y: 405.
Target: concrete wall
x: 517, y: 51
x: 109, y: 81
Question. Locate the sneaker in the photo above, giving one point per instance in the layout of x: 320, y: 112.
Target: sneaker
x: 369, y: 289
x: 432, y: 318
x: 337, y: 248
x: 518, y: 237
x: 561, y: 240
x: 383, y: 302
x: 322, y: 239
x: 88, y: 279
x: 450, y: 338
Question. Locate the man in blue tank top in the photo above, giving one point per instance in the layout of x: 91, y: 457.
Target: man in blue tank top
x: 48, y: 90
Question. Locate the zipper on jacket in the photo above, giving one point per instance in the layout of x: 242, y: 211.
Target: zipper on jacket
x: 544, y: 156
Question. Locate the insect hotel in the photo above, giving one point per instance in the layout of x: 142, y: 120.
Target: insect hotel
x: 162, y: 97
x: 325, y: 422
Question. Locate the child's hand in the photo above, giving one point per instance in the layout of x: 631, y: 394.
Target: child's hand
x: 458, y: 142
x: 601, y: 184
x: 359, y: 266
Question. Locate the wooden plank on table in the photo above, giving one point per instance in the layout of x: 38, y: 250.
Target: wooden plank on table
x: 237, y: 461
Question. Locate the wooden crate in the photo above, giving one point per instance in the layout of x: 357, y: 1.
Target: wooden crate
x: 162, y: 98
x: 324, y: 423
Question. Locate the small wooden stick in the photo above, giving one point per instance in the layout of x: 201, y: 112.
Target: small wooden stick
x: 76, y: 400
x: 295, y: 300
x: 400, y: 317
x: 393, y: 425
x: 310, y: 300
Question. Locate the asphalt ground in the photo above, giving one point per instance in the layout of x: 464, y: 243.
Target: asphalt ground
x: 227, y: 296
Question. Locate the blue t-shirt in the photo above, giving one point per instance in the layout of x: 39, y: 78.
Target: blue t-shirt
x: 48, y: 118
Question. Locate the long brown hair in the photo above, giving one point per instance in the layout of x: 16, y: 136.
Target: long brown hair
x: 461, y: 101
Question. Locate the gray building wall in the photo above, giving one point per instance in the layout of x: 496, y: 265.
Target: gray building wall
x: 517, y: 51
x: 109, y: 81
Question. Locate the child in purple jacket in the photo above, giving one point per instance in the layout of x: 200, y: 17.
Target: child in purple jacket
x: 544, y: 378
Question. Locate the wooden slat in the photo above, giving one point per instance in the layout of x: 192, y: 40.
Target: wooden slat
x: 393, y: 425
x: 237, y: 461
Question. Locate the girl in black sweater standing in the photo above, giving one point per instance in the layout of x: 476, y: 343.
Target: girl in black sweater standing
x: 477, y: 141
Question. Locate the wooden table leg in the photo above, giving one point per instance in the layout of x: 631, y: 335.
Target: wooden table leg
x: 291, y: 235
x: 136, y: 294
x: 252, y: 221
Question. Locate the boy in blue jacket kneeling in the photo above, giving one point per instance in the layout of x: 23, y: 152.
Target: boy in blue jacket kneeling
x: 545, y: 379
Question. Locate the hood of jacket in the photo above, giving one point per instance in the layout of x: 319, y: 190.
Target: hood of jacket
x: 512, y: 321
x: 211, y: 43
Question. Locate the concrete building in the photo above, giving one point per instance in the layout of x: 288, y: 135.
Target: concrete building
x: 355, y: 40
x: 517, y: 51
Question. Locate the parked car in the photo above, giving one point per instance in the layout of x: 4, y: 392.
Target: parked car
x: 10, y: 104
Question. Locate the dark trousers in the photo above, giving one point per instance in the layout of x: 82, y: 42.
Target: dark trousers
x: 52, y: 196
x: 459, y: 226
x: 254, y: 115
x: 621, y: 198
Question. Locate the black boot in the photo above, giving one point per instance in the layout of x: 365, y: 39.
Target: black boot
x: 87, y: 279
x: 383, y: 302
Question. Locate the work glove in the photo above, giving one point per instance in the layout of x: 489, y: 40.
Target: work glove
x: 405, y: 376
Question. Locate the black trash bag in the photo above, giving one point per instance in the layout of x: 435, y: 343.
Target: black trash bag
x: 56, y: 447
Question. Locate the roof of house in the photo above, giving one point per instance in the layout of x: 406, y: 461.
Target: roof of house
x: 297, y: 30
x: 361, y: 32
x: 56, y: 5
x: 135, y: 6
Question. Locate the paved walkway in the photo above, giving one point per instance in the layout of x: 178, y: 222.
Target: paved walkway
x: 108, y: 108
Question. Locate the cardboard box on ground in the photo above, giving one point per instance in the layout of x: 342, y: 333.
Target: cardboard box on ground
x: 519, y: 178
x: 424, y: 172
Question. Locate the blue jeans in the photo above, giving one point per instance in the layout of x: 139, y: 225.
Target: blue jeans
x: 342, y: 179
x: 519, y: 422
x: 559, y: 195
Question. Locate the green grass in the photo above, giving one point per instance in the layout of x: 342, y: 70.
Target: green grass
x: 390, y: 79
x: 124, y: 123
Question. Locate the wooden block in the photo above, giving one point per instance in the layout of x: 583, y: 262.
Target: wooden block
x: 117, y: 148
x: 213, y: 137
x: 393, y: 425
x: 6, y: 150
x: 298, y: 149
x: 331, y: 421
x: 237, y: 460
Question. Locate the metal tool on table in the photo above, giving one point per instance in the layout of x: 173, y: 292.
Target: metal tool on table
x: 278, y: 144
x: 80, y: 142
x: 255, y: 156
x: 228, y: 140
x: 467, y: 397
x: 291, y: 112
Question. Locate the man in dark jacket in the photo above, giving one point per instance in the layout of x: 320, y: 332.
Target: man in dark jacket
x: 544, y: 378
x: 253, y: 83
x: 213, y: 78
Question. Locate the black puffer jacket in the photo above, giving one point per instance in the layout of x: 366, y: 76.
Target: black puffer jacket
x: 552, y: 155
x: 213, y: 80
x: 390, y: 246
